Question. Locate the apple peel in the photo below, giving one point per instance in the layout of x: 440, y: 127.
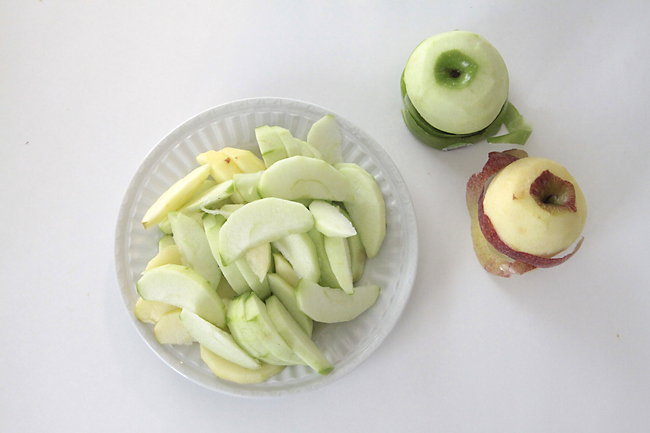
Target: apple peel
x: 492, y: 261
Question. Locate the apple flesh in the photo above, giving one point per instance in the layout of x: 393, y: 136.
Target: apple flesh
x: 226, y: 370
x: 550, y: 194
x: 536, y: 207
x: 457, y: 81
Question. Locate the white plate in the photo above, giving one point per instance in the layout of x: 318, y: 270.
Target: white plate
x: 346, y: 345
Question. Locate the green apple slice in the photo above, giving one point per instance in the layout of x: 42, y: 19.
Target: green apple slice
x: 325, y: 136
x: 357, y: 253
x: 232, y: 372
x: 296, y: 338
x: 184, y: 288
x: 170, y: 330
x: 244, y: 335
x: 172, y: 199
x: 217, y: 340
x: 327, y: 305
x: 301, y: 177
x: 151, y: 311
x: 169, y: 254
x: 284, y: 269
x: 290, y: 144
x: 212, y: 225
x: 258, y: 319
x: 209, y: 198
x: 300, y: 251
x: 338, y: 255
x: 271, y: 145
x: 287, y: 294
x: 261, y: 288
x: 367, y: 209
x: 309, y: 150
x: 259, y: 260
x: 330, y: 221
x: 165, y: 241
x: 457, y: 81
x: 261, y: 221
x: 194, y: 247
x: 327, y: 277
x: 247, y: 183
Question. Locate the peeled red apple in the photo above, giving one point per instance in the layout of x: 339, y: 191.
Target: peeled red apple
x: 532, y: 210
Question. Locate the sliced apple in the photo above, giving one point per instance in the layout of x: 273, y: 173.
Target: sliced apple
x: 217, y: 340
x: 327, y: 305
x: 271, y: 145
x: 261, y: 324
x: 284, y: 269
x: 194, y: 247
x: 327, y: 277
x: 170, y: 330
x: 261, y: 288
x: 325, y: 136
x: 367, y: 208
x: 292, y: 147
x: 330, y: 221
x: 261, y: 221
x: 151, y: 311
x: 299, y: 342
x: 357, y: 253
x: 300, y: 251
x: 232, y: 372
x: 247, y: 184
x: 172, y: 199
x: 259, y: 260
x: 301, y: 177
x: 211, y: 197
x: 338, y: 255
x: 246, y: 161
x: 309, y: 150
x: 169, y: 254
x: 184, y: 288
x: 287, y: 294
x: 212, y: 225
x: 222, y: 167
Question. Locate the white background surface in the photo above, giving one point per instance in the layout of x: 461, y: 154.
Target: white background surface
x: 88, y: 88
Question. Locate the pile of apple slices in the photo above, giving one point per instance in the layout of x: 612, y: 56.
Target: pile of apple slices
x: 254, y: 251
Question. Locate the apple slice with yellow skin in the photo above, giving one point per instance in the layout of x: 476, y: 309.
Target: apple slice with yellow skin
x: 170, y: 330
x: 222, y: 167
x: 172, y: 199
x: 232, y: 372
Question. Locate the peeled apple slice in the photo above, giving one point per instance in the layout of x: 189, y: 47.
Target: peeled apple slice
x: 172, y: 199
x: 325, y: 136
x: 300, y: 251
x: 212, y: 225
x: 296, y: 338
x: 232, y: 372
x: 184, y: 288
x: 194, y: 247
x: 170, y: 330
x: 216, y: 340
x: 261, y: 221
x: 151, y: 311
x: 284, y: 269
x: 287, y: 294
x: 327, y: 305
x: 245, y: 160
x: 330, y: 221
x: 210, y: 197
x: 271, y: 145
x: 338, y: 254
x: 301, y: 177
x: 367, y: 208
